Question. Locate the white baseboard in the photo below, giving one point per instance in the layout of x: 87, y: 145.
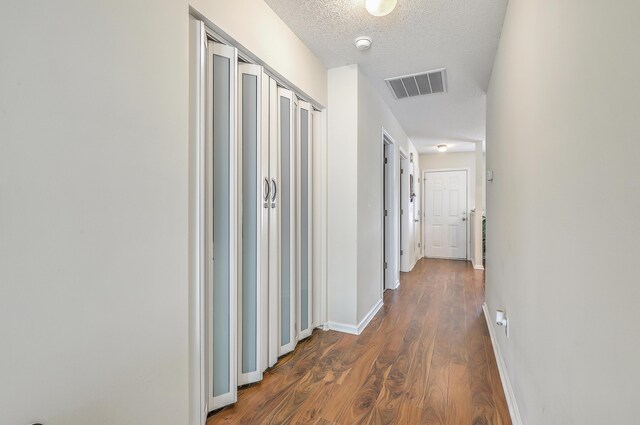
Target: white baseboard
x: 344, y: 328
x: 476, y: 266
x: 502, y: 368
x: 413, y: 265
x: 353, y: 329
x: 395, y: 285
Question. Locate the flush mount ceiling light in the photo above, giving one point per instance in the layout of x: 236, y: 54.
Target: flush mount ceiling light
x: 380, y: 7
x: 363, y: 43
x: 441, y: 148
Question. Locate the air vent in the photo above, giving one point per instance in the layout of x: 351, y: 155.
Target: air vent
x: 431, y: 82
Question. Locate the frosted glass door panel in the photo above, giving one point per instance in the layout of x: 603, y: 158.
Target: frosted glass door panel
x: 252, y: 204
x: 304, y: 228
x: 221, y: 223
x: 221, y: 182
x: 285, y: 197
x: 287, y: 220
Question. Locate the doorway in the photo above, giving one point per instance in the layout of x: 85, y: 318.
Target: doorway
x: 390, y: 214
x: 406, y: 213
x: 445, y: 214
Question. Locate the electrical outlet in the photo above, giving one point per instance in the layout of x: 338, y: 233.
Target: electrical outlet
x: 502, y: 321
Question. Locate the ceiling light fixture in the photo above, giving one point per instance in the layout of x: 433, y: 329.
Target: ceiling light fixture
x: 442, y: 148
x: 363, y: 43
x: 380, y: 7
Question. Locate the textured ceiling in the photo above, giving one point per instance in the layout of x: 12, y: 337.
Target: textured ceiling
x: 419, y: 35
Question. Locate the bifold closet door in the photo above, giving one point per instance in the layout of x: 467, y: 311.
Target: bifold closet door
x: 254, y: 195
x: 221, y: 225
x: 269, y: 267
x: 304, y: 288
x: 274, y: 219
x: 287, y: 203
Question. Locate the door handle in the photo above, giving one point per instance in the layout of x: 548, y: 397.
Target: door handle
x: 273, y: 196
x: 464, y: 218
x: 267, y: 189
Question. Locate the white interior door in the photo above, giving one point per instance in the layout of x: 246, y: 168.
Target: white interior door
x: 253, y: 194
x: 286, y: 199
x: 446, y: 214
x: 221, y: 225
x: 304, y: 211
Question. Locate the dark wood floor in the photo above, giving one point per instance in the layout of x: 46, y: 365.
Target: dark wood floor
x: 426, y: 358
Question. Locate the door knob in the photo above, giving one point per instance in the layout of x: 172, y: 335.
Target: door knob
x: 464, y: 218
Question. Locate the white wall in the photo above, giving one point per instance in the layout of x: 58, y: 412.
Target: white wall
x: 253, y: 25
x: 373, y: 116
x: 357, y: 116
x: 455, y: 160
x: 562, y: 216
x: 342, y: 203
x: 94, y: 203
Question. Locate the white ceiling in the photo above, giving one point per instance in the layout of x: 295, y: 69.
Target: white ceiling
x: 419, y: 35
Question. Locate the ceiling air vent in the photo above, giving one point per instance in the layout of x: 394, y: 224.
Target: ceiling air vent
x: 431, y: 82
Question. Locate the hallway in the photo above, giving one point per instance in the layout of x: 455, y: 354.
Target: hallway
x: 426, y: 358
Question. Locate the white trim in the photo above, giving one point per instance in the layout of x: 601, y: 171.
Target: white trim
x: 403, y: 214
x: 357, y: 330
x: 374, y: 310
x: 395, y: 285
x: 414, y: 263
x: 319, y: 236
x: 342, y: 327
x: 197, y: 363
x: 477, y: 266
x: 304, y: 333
x: 394, y: 213
x: 514, y: 412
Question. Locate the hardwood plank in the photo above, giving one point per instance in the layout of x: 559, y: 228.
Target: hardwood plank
x: 426, y: 358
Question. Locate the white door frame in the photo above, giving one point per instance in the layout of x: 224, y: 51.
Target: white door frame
x: 405, y: 216
x: 417, y: 215
x: 424, y: 204
x: 197, y: 358
x: 391, y: 247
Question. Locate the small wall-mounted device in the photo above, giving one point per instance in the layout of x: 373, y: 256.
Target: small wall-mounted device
x: 490, y: 175
x: 501, y: 320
